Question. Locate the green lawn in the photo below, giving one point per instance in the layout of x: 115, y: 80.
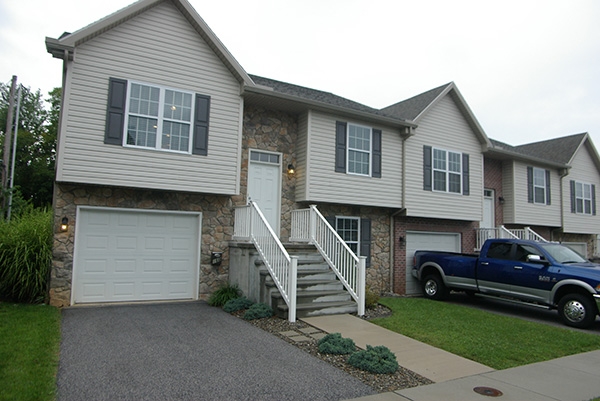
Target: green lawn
x: 493, y: 340
x: 29, y: 351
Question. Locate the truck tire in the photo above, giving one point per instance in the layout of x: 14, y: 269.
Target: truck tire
x: 434, y: 287
x: 577, y: 310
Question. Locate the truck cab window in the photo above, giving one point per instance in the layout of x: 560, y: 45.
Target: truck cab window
x: 499, y: 250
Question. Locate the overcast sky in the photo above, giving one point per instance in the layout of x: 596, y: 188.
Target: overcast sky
x: 529, y: 70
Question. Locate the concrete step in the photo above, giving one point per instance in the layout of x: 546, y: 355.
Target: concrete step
x: 318, y: 309
x: 308, y: 297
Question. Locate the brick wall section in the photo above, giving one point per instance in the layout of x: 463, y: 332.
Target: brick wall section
x: 403, y: 224
x: 493, y: 180
x: 217, y: 229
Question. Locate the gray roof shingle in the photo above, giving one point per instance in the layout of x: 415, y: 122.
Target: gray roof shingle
x: 410, y: 109
x: 317, y: 95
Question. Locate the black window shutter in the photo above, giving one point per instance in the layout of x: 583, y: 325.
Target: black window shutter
x: 593, y: 199
x: 201, y: 118
x: 331, y: 221
x: 573, y: 197
x: 376, y: 153
x: 340, y: 147
x: 530, y: 184
x: 427, y: 168
x: 115, y: 112
x: 548, y: 187
x: 365, y: 240
x: 465, y: 166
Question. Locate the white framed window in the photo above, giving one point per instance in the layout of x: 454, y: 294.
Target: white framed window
x: 348, y: 229
x: 359, y: 149
x: 158, y: 117
x: 447, y: 171
x: 539, y: 185
x: 583, y: 198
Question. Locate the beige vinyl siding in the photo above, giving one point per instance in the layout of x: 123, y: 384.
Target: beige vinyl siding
x: 583, y: 169
x: 157, y: 47
x: 301, y: 151
x: 325, y: 185
x: 444, y: 127
x: 534, y: 213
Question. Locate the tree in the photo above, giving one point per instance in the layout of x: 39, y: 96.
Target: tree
x: 36, y: 143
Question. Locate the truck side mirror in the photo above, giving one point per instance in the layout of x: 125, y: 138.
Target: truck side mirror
x: 536, y: 259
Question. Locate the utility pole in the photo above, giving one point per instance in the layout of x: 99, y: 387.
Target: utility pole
x: 7, y: 138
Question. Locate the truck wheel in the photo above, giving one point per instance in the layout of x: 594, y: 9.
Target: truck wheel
x: 577, y: 310
x: 434, y: 288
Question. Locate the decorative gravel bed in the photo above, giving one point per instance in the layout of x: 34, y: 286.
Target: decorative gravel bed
x: 306, y: 338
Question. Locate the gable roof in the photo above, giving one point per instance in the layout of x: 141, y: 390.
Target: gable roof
x: 557, y: 152
x: 269, y: 92
x: 64, y: 46
x: 416, y: 107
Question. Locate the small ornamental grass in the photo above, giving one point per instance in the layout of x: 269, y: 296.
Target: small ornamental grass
x: 334, y: 343
x: 223, y: 294
x: 237, y: 304
x: 377, y: 359
x: 258, y: 311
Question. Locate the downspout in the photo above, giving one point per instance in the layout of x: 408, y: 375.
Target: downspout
x: 401, y: 210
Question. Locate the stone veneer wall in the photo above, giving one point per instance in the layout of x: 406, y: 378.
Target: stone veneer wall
x: 404, y: 224
x: 217, y: 228
x: 272, y: 131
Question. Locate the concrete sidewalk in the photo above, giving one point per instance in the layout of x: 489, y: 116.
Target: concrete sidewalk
x: 575, y: 377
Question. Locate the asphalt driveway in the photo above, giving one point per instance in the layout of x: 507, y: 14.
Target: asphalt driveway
x: 186, y: 351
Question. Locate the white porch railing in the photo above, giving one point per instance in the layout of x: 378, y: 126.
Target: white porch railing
x: 502, y: 232
x: 250, y: 224
x: 309, y: 225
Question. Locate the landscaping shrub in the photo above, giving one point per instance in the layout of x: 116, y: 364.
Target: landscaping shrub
x: 26, y: 256
x: 377, y: 359
x: 234, y: 305
x: 223, y: 294
x: 258, y: 311
x: 334, y: 343
x: 371, y: 298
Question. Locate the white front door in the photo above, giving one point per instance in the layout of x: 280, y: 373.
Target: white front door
x: 488, y: 209
x: 264, y: 184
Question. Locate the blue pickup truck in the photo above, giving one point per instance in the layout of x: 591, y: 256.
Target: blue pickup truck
x: 543, y: 274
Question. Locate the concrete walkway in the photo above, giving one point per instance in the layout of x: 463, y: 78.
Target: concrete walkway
x: 575, y: 377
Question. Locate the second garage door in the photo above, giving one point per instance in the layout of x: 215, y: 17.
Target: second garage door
x: 415, y: 241
x: 132, y: 255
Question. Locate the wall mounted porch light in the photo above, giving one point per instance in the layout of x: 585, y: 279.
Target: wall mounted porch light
x: 291, y: 170
x: 501, y: 200
x: 64, y: 224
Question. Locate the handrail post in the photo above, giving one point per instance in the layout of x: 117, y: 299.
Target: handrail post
x: 293, y: 286
x: 362, y: 282
x: 312, y: 224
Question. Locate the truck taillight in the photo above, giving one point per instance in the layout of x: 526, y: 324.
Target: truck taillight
x: 414, y: 260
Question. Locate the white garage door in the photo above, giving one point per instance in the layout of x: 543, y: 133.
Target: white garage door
x: 426, y: 241
x: 133, y: 255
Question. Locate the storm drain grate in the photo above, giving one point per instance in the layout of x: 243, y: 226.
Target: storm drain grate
x: 488, y: 391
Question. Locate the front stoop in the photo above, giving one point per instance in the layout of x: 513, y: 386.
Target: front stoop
x: 319, y: 290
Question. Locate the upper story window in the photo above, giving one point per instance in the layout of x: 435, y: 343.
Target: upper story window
x: 357, y: 150
x: 159, y: 118
x: 583, y: 198
x: 156, y: 117
x: 538, y: 185
x: 447, y: 171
